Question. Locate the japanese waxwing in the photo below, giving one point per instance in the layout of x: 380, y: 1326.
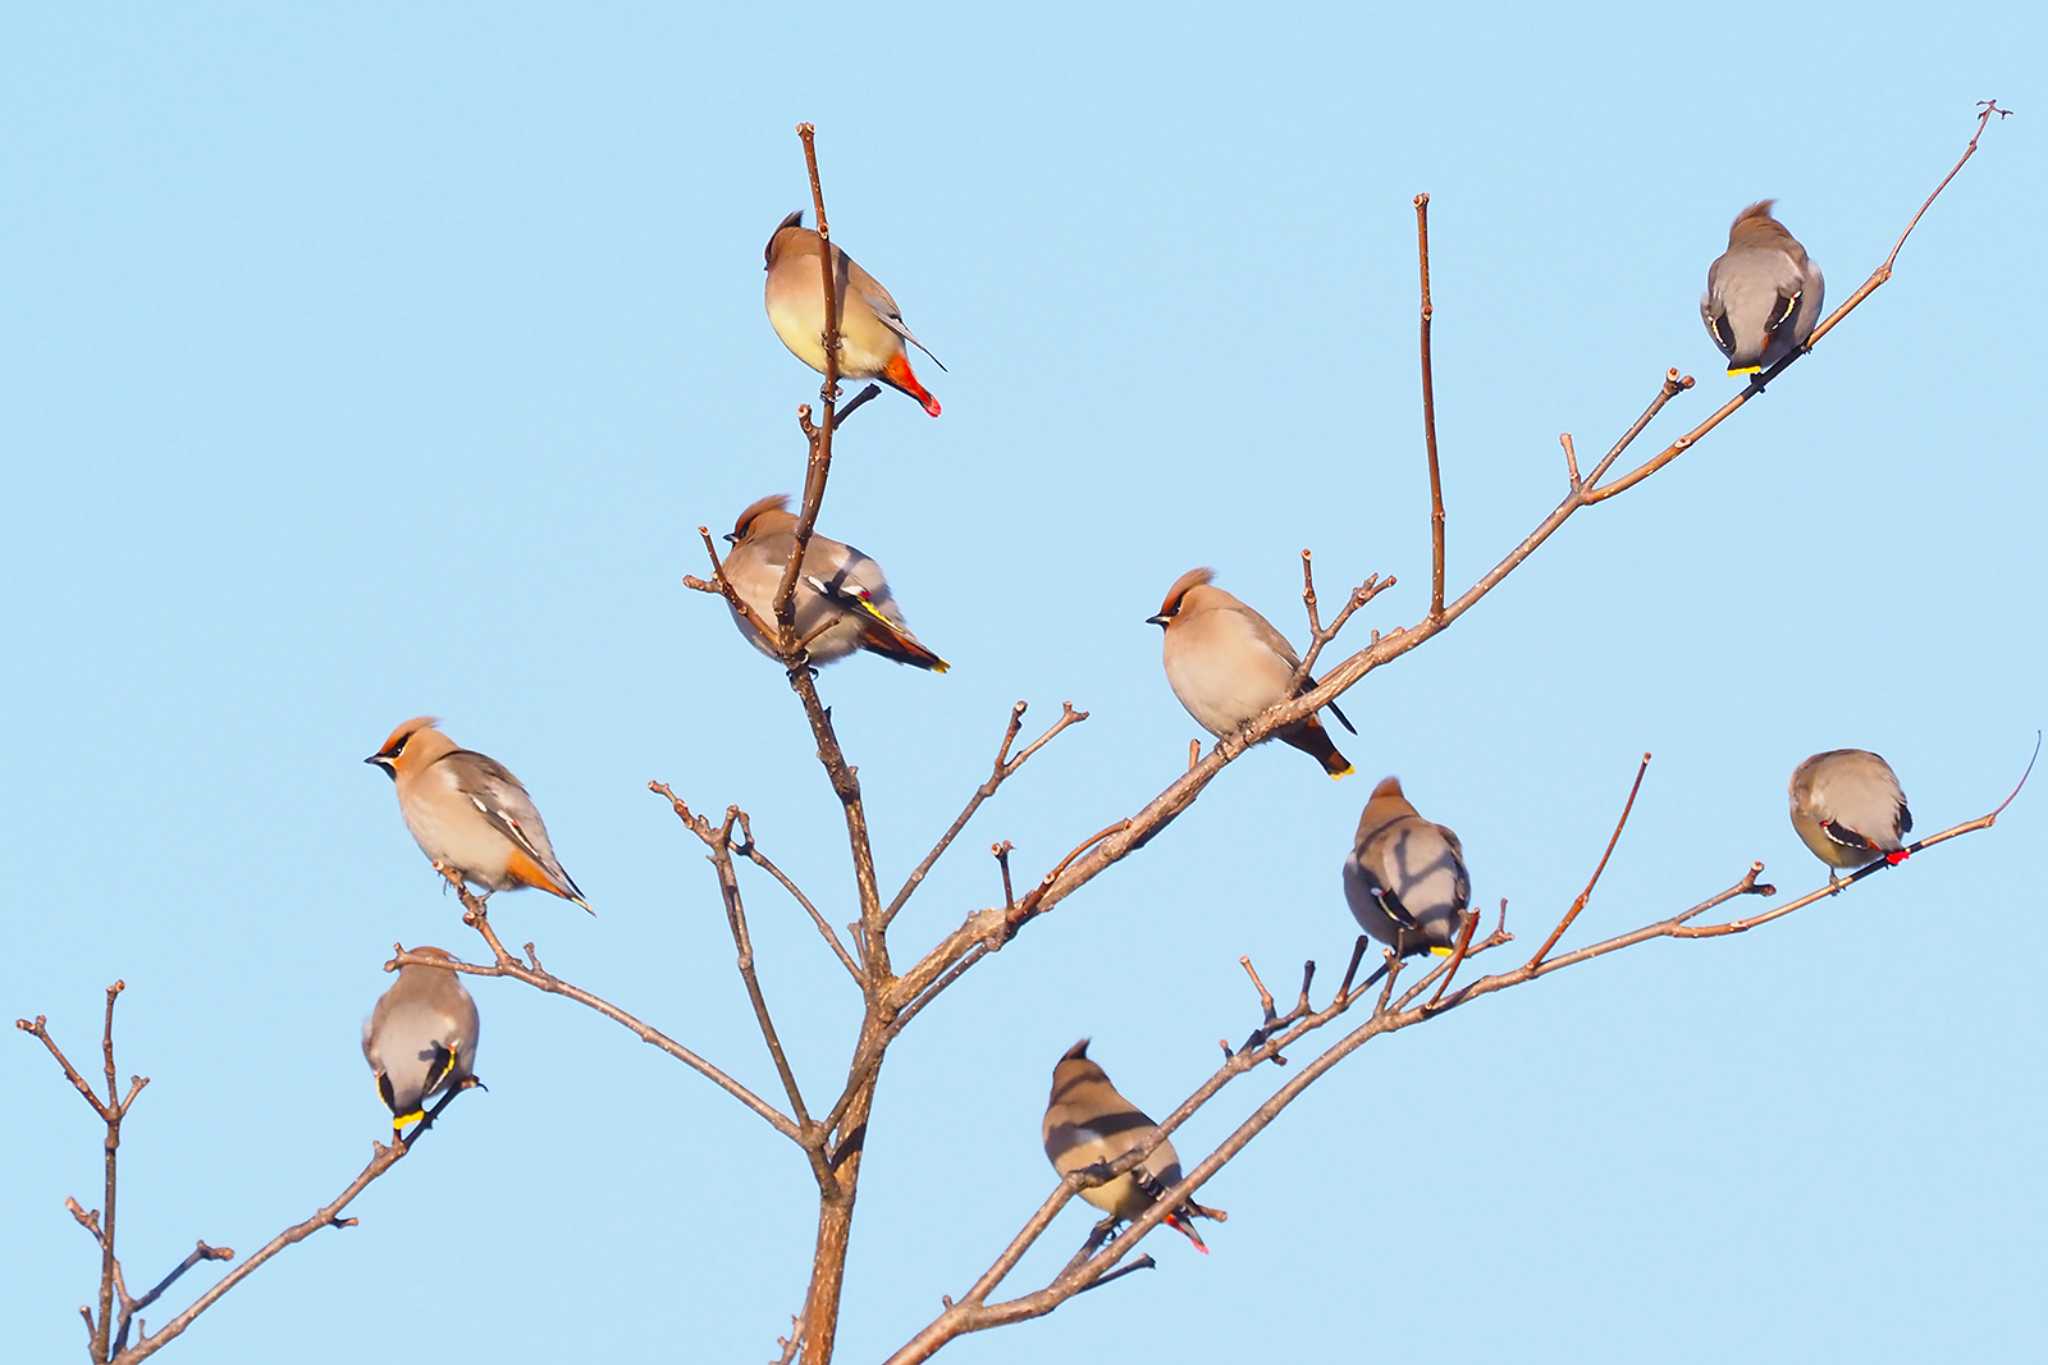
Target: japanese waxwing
x: 421, y: 1038
x: 1847, y: 808
x: 843, y: 602
x: 1763, y: 295
x: 469, y: 815
x: 1406, y: 878
x: 1227, y: 664
x: 871, y: 330
x: 1088, y: 1123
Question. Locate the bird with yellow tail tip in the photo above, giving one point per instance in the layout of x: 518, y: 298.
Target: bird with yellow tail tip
x: 843, y: 602
x: 1405, y: 878
x: 1089, y: 1123
x: 1848, y: 807
x: 1227, y: 664
x: 421, y: 1038
x: 469, y: 815
x: 871, y: 328
x: 1764, y: 293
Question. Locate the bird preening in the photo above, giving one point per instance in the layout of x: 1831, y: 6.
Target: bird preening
x: 420, y: 1040
x: 1848, y: 808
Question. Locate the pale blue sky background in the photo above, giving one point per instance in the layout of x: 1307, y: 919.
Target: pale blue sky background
x: 362, y: 362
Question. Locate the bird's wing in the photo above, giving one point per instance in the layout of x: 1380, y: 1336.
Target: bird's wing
x: 498, y: 795
x: 883, y: 305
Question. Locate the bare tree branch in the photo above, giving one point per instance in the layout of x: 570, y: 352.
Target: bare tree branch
x: 1579, y: 903
x: 1436, y: 479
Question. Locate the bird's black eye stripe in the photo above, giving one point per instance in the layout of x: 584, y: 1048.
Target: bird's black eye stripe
x: 1784, y: 314
x: 397, y: 748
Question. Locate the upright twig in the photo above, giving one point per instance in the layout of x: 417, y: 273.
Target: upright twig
x: 1579, y: 901
x: 1436, y: 479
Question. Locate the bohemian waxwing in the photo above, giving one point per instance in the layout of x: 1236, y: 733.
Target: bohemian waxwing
x: 871, y: 330
x: 469, y: 815
x: 843, y: 602
x: 1406, y: 878
x: 1847, y: 808
x: 1763, y: 295
x: 421, y: 1038
x: 1227, y: 664
x: 1087, y: 1123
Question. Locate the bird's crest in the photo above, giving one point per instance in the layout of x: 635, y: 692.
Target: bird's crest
x: 1077, y: 1053
x: 774, y: 502
x: 1389, y: 786
x: 1755, y: 224
x: 1182, y: 586
x: 794, y: 220
x: 405, y: 731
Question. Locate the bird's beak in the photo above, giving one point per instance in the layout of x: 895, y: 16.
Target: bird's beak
x: 1159, y: 621
x: 732, y: 537
x: 379, y: 761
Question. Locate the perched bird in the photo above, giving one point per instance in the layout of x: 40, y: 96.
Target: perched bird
x: 843, y: 602
x: 1763, y: 294
x: 1406, y: 878
x: 1088, y: 1123
x: 469, y: 815
x: 1227, y: 664
x: 421, y: 1038
x: 871, y: 330
x: 1847, y: 808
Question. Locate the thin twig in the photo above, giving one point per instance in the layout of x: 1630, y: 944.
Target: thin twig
x: 1579, y: 902
x: 1436, y: 480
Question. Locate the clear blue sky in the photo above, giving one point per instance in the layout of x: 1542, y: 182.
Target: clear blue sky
x: 364, y: 362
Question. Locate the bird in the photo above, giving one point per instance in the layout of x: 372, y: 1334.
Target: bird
x: 1764, y: 293
x: 421, y: 1038
x: 1405, y: 879
x: 1227, y: 664
x: 1847, y: 807
x: 871, y: 328
x: 843, y: 602
x: 1088, y: 1123
x: 469, y: 815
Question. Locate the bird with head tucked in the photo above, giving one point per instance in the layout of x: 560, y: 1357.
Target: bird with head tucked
x: 1088, y: 1123
x: 871, y: 328
x: 421, y: 1038
x: 1227, y: 664
x: 1848, y: 808
x: 1405, y: 879
x: 843, y: 602
x: 1763, y: 295
x: 469, y: 815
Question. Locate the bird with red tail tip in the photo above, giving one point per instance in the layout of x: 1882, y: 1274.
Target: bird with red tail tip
x: 1848, y: 808
x: 871, y: 327
x: 1089, y: 1123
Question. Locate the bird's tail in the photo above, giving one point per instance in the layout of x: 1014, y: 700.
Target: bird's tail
x: 1312, y: 739
x: 880, y: 635
x: 897, y: 374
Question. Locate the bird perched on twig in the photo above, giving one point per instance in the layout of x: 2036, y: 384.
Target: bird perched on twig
x: 1848, y: 808
x: 1227, y: 664
x: 843, y: 602
x: 1405, y: 879
x: 871, y: 328
x: 469, y: 815
x: 421, y: 1038
x: 1763, y: 293
x: 1088, y: 1123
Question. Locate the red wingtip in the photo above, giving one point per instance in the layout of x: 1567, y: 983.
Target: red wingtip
x: 1187, y: 1230
x: 899, y: 373
x: 931, y: 405
x: 1899, y: 857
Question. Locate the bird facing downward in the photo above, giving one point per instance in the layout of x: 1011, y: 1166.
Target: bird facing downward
x: 1763, y: 294
x: 871, y: 329
x: 1227, y: 664
x: 469, y: 815
x: 1405, y: 879
x: 421, y: 1038
x: 1848, y: 808
x: 843, y: 602
x: 1088, y: 1123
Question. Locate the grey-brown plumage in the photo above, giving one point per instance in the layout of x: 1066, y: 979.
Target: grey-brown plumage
x: 1405, y: 879
x: 1088, y: 1122
x: 872, y: 332
x: 1848, y: 808
x: 421, y: 1038
x: 1764, y: 293
x: 843, y: 601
